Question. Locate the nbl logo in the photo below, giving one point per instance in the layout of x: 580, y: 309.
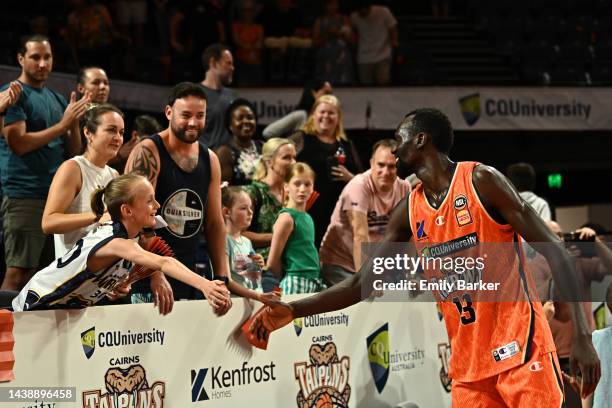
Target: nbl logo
x: 198, y: 393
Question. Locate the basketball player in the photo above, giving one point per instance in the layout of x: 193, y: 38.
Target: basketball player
x: 98, y: 263
x: 502, y: 352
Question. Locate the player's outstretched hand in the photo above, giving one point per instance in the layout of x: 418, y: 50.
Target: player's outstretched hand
x: 269, y: 298
x: 273, y: 318
x: 584, y: 360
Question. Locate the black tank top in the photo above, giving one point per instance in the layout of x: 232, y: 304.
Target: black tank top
x: 182, y: 197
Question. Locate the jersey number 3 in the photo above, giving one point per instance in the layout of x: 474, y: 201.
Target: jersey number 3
x: 74, y: 254
x: 464, y: 307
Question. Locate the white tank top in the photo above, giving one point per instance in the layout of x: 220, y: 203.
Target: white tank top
x: 68, y: 282
x: 93, y: 177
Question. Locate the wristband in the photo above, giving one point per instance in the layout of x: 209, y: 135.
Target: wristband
x: 224, y: 279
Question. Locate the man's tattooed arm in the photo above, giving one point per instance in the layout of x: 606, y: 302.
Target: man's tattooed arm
x: 144, y: 161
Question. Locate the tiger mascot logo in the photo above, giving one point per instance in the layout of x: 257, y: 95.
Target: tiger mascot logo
x: 323, y: 382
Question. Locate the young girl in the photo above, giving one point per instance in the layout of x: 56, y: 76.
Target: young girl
x: 293, y: 251
x: 98, y: 263
x: 67, y: 212
x: 244, y: 264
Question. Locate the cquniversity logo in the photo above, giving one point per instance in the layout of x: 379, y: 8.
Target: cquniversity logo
x: 470, y: 108
x: 298, y: 325
x: 198, y: 393
x: 88, y: 341
x: 378, y: 356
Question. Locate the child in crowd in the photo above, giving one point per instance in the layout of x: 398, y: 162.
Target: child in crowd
x: 98, y: 263
x: 293, y: 250
x: 244, y: 263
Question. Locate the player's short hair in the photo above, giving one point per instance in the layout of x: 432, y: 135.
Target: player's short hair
x: 434, y: 123
x: 213, y: 51
x: 184, y: 89
x: 522, y: 175
x: 31, y: 38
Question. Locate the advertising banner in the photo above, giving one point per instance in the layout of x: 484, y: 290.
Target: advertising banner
x: 369, y: 355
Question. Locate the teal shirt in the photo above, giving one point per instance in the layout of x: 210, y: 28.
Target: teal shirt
x: 30, y: 175
x: 300, y: 257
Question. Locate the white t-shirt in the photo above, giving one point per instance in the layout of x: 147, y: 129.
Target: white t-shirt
x: 359, y: 195
x: 374, y: 40
x: 93, y: 177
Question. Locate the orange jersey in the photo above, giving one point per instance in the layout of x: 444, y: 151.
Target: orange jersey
x: 486, y: 338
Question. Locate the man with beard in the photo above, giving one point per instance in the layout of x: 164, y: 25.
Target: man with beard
x: 219, y: 64
x: 41, y: 130
x: 187, y: 181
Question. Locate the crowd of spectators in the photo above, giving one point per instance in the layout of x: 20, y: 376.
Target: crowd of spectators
x: 275, y: 42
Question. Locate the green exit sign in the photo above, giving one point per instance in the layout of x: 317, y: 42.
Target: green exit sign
x: 555, y: 180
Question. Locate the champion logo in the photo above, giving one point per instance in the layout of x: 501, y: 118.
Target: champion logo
x: 536, y: 366
x: 440, y: 220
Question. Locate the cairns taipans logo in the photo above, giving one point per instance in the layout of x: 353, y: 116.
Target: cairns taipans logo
x: 324, y: 379
x: 126, y: 387
x: 470, y: 108
x: 88, y: 341
x: 383, y: 360
x: 378, y: 355
x: 444, y: 352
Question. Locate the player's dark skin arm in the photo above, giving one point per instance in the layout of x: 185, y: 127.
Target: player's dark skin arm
x: 505, y: 206
x: 348, y: 292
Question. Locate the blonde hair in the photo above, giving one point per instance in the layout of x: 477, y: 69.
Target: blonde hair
x: 268, y: 152
x: 309, y: 126
x: 297, y: 169
x: 116, y: 193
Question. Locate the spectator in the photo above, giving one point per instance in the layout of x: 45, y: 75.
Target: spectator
x: 131, y: 18
x: 376, y: 39
x: 241, y: 154
x: 589, y: 270
x: 248, y: 37
x: 244, y: 263
x: 194, y: 25
x: 40, y: 130
x: 332, y: 34
x: 440, y: 9
x: 94, y: 80
x: 523, y: 176
x: 323, y: 145
x: 161, y: 14
x: 90, y: 33
x: 293, y: 121
x: 268, y: 195
x: 293, y: 255
x: 282, y: 28
x: 219, y: 64
x: 97, y: 264
x: 67, y: 212
x: 362, y: 213
x: 602, y: 340
x: 143, y: 125
x: 187, y: 180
